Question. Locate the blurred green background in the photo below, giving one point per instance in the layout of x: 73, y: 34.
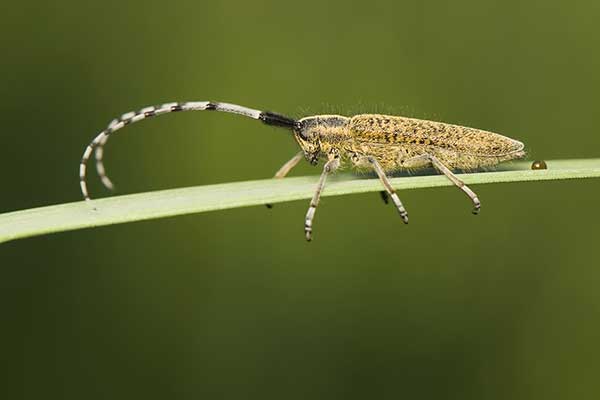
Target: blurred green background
x: 235, y: 304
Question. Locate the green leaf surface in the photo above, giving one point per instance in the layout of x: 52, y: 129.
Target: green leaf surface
x: 168, y: 203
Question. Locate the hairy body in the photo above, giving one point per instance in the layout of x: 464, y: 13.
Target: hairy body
x: 399, y: 142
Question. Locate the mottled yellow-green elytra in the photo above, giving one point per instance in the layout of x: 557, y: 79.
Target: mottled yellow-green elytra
x: 399, y: 142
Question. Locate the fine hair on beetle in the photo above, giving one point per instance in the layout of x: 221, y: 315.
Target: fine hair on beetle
x: 377, y: 143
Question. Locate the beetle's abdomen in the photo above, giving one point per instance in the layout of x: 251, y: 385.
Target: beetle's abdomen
x: 383, y: 129
x: 483, y: 143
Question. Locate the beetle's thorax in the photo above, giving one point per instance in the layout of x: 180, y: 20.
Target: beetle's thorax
x: 318, y: 133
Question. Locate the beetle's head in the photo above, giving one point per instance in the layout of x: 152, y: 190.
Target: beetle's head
x: 310, y: 132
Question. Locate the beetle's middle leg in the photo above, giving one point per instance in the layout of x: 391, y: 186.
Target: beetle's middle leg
x: 388, y: 187
x: 437, y: 164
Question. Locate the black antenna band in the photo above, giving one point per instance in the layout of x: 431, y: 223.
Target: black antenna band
x: 271, y: 118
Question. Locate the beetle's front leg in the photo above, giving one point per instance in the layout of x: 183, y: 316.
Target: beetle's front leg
x: 330, y: 166
x: 286, y: 168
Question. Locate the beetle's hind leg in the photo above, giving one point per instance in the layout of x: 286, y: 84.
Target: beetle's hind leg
x: 437, y: 164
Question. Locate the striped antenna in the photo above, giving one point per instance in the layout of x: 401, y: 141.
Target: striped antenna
x: 100, y: 140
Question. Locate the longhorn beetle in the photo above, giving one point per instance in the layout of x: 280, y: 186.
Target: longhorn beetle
x: 380, y: 143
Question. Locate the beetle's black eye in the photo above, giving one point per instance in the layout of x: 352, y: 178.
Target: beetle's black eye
x: 301, y: 130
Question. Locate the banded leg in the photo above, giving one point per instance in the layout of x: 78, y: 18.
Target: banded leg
x: 437, y: 164
x: 329, y: 167
x: 461, y: 185
x: 286, y: 168
x: 388, y: 187
x: 100, y: 140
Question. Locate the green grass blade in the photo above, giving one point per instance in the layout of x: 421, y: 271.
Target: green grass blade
x: 168, y: 203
